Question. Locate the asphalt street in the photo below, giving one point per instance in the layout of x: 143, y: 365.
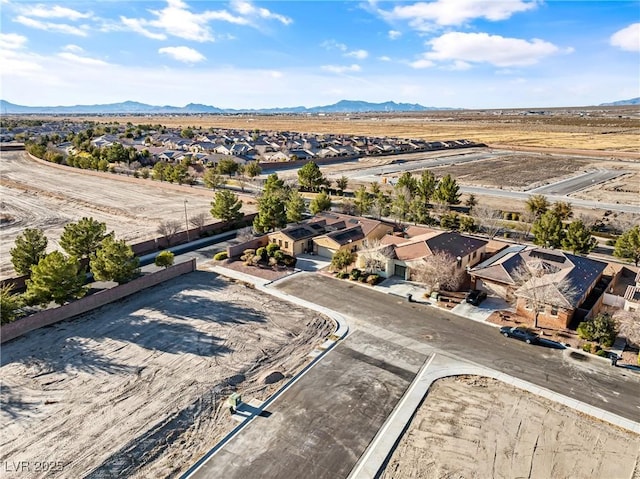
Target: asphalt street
x: 585, y: 378
x: 577, y: 183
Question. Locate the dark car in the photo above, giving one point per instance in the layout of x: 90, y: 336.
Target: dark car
x: 476, y: 297
x: 521, y: 334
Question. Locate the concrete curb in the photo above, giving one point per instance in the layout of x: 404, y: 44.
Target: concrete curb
x: 385, y: 441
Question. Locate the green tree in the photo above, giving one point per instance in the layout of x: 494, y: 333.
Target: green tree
x: 295, y: 207
x: 341, y: 184
x: 380, y: 205
x: 55, y: 278
x: 226, y: 206
x: 362, y: 201
x: 426, y: 186
x: 401, y: 202
x: 187, y: 133
x: 563, y: 209
x: 81, y: 239
x: 601, y: 329
x: 471, y: 201
x: 271, y: 205
x: 114, y: 261
x: 252, y: 169
x: 548, y: 230
x: 164, y: 259
x: 30, y: 247
x: 227, y: 166
x: 468, y: 224
x: 212, y: 179
x: 419, y: 210
x: 160, y: 170
x: 408, y: 181
x: 310, y: 177
x: 447, y: 192
x: 321, y: 202
x: 179, y: 174
x: 628, y: 245
x: 10, y: 304
x: 115, y: 153
x: 578, y: 239
x: 537, y: 205
x: 342, y: 259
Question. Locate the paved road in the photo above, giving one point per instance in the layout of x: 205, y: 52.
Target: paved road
x: 591, y: 380
x: 577, y: 183
x: 323, y: 423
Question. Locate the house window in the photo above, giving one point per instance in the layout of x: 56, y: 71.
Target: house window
x: 554, y: 311
x: 459, y: 262
x: 286, y: 244
x: 280, y: 242
x: 473, y: 256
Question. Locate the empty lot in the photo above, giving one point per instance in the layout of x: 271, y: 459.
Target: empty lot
x: 36, y: 195
x: 139, y: 386
x: 478, y: 427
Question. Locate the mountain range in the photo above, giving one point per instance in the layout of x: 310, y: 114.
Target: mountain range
x: 632, y: 101
x: 132, y: 107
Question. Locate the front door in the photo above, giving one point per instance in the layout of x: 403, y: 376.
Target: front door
x: 400, y: 271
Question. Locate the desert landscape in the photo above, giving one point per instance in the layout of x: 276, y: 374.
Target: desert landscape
x: 139, y: 387
x: 475, y: 427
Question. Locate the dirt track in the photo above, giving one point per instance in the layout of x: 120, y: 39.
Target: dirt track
x: 138, y: 387
x: 43, y: 196
x: 481, y: 428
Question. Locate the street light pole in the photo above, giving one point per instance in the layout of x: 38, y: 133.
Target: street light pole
x: 186, y: 220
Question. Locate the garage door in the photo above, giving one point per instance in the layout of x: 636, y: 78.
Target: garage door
x: 400, y: 271
x: 325, y: 252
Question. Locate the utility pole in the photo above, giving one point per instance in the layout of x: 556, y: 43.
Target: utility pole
x: 186, y: 219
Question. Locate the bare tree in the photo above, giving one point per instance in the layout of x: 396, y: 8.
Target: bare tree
x: 168, y: 229
x: 525, y: 224
x: 245, y: 234
x: 373, y: 255
x: 542, y: 285
x: 628, y: 326
x: 490, y: 220
x: 438, y: 272
x: 199, y: 220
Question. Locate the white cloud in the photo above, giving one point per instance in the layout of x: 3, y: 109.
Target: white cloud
x: 493, y: 49
x: 332, y: 44
x: 394, y: 34
x: 247, y: 9
x: 275, y: 74
x: 80, y: 31
x: 55, y: 11
x: 424, y: 16
x: 628, y: 38
x: 73, y: 48
x: 422, y: 63
x: 341, y: 68
x: 12, y: 41
x: 384, y: 58
x: 72, y: 57
x: 359, y: 54
x: 183, y: 54
x: 177, y: 20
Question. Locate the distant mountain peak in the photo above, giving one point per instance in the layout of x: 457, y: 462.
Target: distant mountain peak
x: 134, y: 107
x: 632, y: 101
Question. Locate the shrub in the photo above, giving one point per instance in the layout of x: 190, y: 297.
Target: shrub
x: 342, y: 275
x: 373, y: 279
x: 262, y: 253
x: 272, y: 248
x: 362, y: 278
x: 220, y: 256
x: 289, y: 260
x: 278, y: 255
x: 355, y: 274
x: 602, y: 353
x: 586, y: 347
x: 610, y: 242
x: 601, y: 329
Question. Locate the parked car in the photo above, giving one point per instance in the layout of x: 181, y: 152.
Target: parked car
x: 521, y: 334
x: 475, y: 297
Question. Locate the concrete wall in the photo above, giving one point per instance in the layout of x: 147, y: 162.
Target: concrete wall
x: 613, y: 300
x: 51, y: 316
x: 238, y: 249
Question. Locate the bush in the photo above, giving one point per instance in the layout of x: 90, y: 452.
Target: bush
x: 586, y: 347
x: 342, y: 275
x: 220, y: 256
x: 277, y: 255
x: 610, y: 242
x: 602, y: 353
x: 289, y: 260
x: 373, y: 279
x: 272, y: 248
x: 262, y: 253
x: 601, y: 329
x: 362, y: 278
x: 355, y: 274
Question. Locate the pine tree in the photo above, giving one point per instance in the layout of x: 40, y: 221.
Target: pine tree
x: 55, y: 278
x: 114, y: 261
x: 578, y: 239
x: 81, y: 239
x: 30, y: 248
x: 548, y: 230
x: 226, y: 206
x: 295, y: 207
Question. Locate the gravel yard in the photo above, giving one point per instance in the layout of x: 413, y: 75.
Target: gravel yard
x: 137, y: 388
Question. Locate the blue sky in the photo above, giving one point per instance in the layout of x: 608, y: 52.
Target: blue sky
x: 243, y: 54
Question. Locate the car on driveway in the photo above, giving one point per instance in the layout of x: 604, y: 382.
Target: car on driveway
x: 475, y: 297
x: 521, y: 334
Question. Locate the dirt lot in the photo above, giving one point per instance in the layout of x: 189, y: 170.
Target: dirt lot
x: 138, y: 387
x: 472, y: 427
x: 40, y: 196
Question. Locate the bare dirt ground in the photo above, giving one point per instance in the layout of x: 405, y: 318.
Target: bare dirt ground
x: 36, y: 195
x: 138, y: 387
x: 471, y: 427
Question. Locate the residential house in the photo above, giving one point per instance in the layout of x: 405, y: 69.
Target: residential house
x: 632, y: 296
x: 561, y: 286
